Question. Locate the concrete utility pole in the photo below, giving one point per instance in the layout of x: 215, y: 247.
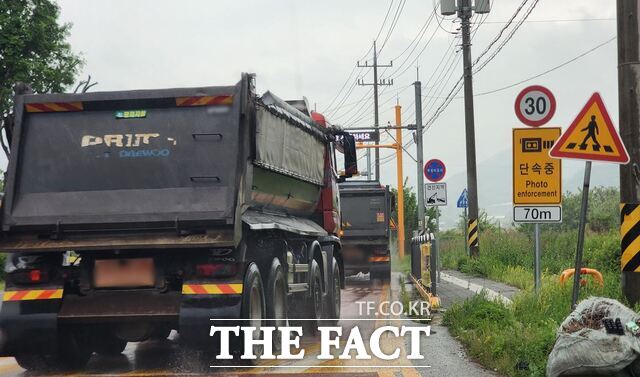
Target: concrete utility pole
x: 465, y: 13
x: 375, y: 84
x: 629, y: 107
x: 400, y: 202
x: 420, y: 162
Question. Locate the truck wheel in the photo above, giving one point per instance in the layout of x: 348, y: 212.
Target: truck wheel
x: 315, y: 307
x: 110, y: 345
x: 253, y: 308
x: 335, y: 295
x: 32, y: 363
x: 382, y: 275
x: 72, y: 354
x: 276, y: 300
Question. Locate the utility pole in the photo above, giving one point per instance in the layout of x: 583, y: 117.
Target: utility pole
x: 400, y: 202
x: 465, y: 10
x: 420, y: 162
x: 376, y: 83
x: 629, y: 105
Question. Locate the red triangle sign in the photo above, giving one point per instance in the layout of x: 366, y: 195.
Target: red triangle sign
x: 591, y: 136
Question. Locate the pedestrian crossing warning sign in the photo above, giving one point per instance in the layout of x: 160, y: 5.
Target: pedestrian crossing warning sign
x: 591, y: 136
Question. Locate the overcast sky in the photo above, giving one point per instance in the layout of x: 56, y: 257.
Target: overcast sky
x: 305, y: 48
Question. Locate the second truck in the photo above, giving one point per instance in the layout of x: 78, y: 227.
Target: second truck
x: 366, y: 218
x: 130, y: 214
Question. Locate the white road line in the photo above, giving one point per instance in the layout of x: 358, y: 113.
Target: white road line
x: 476, y: 288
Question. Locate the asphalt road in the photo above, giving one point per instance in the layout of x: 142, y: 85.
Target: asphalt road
x: 444, y: 356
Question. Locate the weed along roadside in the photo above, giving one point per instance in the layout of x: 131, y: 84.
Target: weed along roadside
x: 516, y: 339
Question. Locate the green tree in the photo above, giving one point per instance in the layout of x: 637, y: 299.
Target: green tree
x: 33, y: 49
x: 484, y: 222
x: 432, y: 213
x: 603, y: 215
x: 410, y: 210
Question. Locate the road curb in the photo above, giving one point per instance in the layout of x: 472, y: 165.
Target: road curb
x: 476, y: 288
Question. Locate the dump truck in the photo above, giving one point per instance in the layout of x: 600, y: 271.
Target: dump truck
x: 366, y: 215
x: 129, y: 214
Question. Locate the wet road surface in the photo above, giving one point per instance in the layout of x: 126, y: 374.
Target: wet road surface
x: 167, y: 358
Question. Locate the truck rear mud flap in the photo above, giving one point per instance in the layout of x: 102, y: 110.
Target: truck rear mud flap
x: 202, y: 305
x: 27, y: 324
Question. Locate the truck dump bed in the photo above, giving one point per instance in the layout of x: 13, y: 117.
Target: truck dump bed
x: 365, y: 209
x: 149, y: 159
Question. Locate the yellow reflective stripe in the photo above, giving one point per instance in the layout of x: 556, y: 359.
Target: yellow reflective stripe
x: 211, y: 289
x: 34, y: 294
x: 186, y: 289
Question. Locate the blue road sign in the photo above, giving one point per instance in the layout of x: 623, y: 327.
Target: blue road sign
x: 434, y: 170
x: 463, y: 200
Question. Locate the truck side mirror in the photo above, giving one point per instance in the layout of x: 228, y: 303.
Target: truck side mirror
x: 350, y: 156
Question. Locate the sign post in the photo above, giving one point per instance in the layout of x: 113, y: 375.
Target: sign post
x: 435, y: 196
x: 590, y: 137
x: 463, y: 202
x: 537, y: 178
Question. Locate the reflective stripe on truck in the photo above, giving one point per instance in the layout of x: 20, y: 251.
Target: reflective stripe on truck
x: 51, y: 107
x: 33, y: 294
x: 211, y: 289
x: 204, y: 100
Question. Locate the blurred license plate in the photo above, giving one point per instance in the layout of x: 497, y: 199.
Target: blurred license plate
x: 124, y: 273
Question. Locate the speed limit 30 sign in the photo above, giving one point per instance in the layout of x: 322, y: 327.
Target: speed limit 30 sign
x: 535, y: 105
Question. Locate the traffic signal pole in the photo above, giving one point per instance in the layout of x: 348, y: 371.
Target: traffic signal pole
x: 629, y: 107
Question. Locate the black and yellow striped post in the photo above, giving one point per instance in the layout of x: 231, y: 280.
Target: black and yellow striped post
x: 472, y: 231
x: 630, y: 246
x: 630, y: 237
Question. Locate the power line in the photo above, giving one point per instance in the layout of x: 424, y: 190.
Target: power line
x: 395, y: 74
x: 363, y: 56
x: 381, y: 26
x: 393, y: 23
x: 548, y: 70
x: 454, y: 91
x: 499, y: 35
x: 560, y: 20
x: 508, y: 38
x: 440, y: 19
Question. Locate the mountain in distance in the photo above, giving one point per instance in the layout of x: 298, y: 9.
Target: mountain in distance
x: 495, y: 186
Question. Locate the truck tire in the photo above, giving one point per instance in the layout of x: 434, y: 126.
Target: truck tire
x: 253, y: 305
x: 110, y: 345
x: 334, y: 303
x: 70, y: 355
x: 382, y: 275
x: 315, y: 306
x: 32, y: 363
x: 276, y: 300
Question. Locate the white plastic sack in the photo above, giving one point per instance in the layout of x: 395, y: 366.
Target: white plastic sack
x: 583, y: 345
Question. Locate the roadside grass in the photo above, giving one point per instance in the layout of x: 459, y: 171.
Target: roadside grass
x: 404, y: 265
x: 516, y: 339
